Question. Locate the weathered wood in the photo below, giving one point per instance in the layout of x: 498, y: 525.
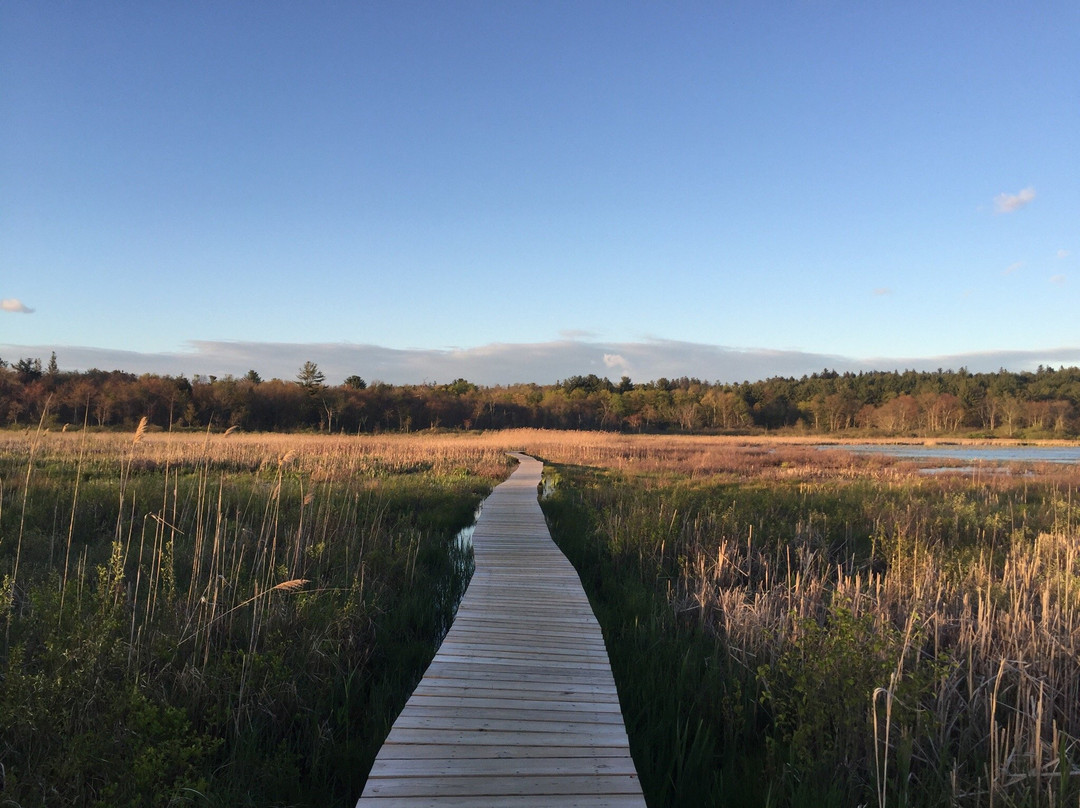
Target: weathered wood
x: 518, y: 708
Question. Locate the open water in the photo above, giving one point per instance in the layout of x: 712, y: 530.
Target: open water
x: 969, y: 454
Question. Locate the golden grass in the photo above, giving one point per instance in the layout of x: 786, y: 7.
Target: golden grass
x: 1017, y: 625
x: 995, y: 630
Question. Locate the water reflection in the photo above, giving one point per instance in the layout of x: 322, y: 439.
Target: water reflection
x: 547, y: 487
x: 996, y: 454
x: 463, y: 539
x: 463, y: 563
x: 968, y: 470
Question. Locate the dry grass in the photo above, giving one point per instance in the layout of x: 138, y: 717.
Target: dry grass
x: 996, y: 632
x: 967, y: 606
x: 248, y: 597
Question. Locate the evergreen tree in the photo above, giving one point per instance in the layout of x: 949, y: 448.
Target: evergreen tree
x: 310, y: 377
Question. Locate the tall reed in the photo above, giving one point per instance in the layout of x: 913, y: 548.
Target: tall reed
x: 858, y: 633
x: 234, y: 620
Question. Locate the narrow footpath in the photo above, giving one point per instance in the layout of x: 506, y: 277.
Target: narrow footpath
x: 519, y: 707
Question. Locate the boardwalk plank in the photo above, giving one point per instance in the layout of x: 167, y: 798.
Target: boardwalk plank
x: 513, y: 701
x: 515, y: 801
x: 481, y: 785
x: 518, y: 708
x: 495, y: 752
x: 507, y: 767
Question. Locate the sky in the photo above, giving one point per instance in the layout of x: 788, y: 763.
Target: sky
x: 525, y: 191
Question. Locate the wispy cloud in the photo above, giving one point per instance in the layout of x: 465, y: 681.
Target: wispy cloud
x: 1058, y: 279
x: 506, y: 363
x: 1062, y: 253
x: 1013, y: 267
x: 1007, y: 203
x: 882, y: 291
x: 14, y: 304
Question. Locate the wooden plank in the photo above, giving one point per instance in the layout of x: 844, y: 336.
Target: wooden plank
x: 511, y: 638
x: 508, y: 767
x: 519, y: 707
x: 509, y: 739
x: 524, y: 663
x: 495, y: 717
x: 453, y: 785
x: 513, y: 701
x: 512, y: 635
x: 512, y: 801
x: 465, y: 721
x: 477, y: 672
x: 489, y: 752
x: 514, y: 689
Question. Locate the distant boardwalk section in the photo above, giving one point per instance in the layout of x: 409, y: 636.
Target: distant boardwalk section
x: 519, y: 706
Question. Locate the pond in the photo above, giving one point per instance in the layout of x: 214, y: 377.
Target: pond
x: 967, y: 454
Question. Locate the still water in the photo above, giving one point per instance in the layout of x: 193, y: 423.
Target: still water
x: 969, y: 454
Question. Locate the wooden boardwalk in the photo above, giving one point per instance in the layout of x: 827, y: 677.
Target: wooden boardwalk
x: 519, y: 706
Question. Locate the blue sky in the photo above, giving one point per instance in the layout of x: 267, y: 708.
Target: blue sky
x: 520, y: 191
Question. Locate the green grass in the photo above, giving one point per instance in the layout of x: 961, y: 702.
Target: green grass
x: 760, y: 630
x: 179, y: 660
x: 232, y: 621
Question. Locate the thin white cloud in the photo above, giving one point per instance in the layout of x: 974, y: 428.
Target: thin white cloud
x: 1058, y: 279
x: 1013, y: 267
x: 1007, y: 203
x: 505, y: 363
x: 14, y: 304
x: 883, y: 291
x: 1062, y: 253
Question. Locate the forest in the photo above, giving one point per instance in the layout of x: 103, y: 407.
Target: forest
x: 1044, y: 403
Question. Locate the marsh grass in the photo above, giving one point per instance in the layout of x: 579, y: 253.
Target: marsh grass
x: 220, y: 619
x: 230, y: 619
x: 811, y: 629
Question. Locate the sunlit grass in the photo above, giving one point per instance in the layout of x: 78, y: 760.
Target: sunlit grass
x: 792, y: 628
x: 220, y: 619
x: 234, y: 619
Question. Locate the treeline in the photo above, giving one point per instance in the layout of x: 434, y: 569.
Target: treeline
x: 1043, y: 403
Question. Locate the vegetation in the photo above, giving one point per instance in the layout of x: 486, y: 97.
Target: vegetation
x: 1043, y: 404
x: 224, y: 619
x: 219, y: 620
x: 795, y: 627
